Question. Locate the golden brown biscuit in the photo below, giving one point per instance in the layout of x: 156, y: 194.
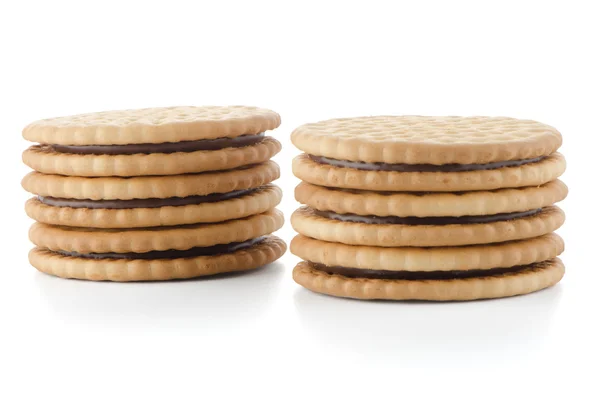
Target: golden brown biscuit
x: 49, y: 161
x: 532, y: 174
x: 152, y: 125
x: 516, y: 281
x: 266, y: 251
x: 363, y: 202
x: 306, y: 222
x: 427, y: 140
x: 182, y: 237
x: 255, y: 202
x: 411, y: 259
x: 145, y: 187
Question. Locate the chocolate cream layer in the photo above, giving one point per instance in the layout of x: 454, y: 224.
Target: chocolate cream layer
x: 167, y: 147
x: 170, y: 254
x: 143, y: 203
x: 421, y: 167
x: 414, y: 276
x: 430, y: 220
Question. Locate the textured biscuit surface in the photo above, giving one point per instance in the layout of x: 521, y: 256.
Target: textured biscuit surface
x: 59, y: 265
x: 117, y: 188
x: 47, y: 160
x: 85, y: 240
x: 520, y: 282
x: 363, y: 202
x: 152, y: 125
x: 260, y: 200
x: 532, y: 174
x: 427, y: 140
x: 489, y: 256
x: 307, y: 223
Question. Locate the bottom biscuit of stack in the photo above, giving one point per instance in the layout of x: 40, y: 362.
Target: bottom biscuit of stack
x: 438, y: 274
x: 159, y: 253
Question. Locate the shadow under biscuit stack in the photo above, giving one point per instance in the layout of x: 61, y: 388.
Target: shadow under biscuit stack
x: 428, y: 208
x: 154, y: 194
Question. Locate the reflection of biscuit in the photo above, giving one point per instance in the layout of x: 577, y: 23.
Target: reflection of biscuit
x: 433, y: 208
x: 306, y: 222
x: 266, y: 251
x: 363, y: 202
x: 512, y: 282
x: 153, y: 194
x: 488, y: 256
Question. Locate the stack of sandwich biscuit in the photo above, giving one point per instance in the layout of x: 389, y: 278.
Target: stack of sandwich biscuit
x: 428, y: 208
x: 153, y: 194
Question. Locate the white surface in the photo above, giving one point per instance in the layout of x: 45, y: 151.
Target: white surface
x: 260, y: 333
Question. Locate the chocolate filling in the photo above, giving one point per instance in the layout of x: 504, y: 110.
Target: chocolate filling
x: 142, y: 203
x: 170, y: 254
x: 405, y: 275
x: 421, y: 167
x: 167, y: 147
x: 430, y: 220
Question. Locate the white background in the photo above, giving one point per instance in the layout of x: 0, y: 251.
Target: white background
x: 260, y: 333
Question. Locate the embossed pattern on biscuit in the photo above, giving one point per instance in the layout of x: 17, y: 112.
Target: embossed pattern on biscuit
x: 533, y: 174
x: 306, y: 222
x: 427, y: 140
x: 526, y: 280
x: 152, y: 125
x: 154, y: 194
x: 48, y: 161
x: 267, y: 251
x: 180, y: 237
x: 431, y: 208
x: 260, y: 200
x: 421, y: 204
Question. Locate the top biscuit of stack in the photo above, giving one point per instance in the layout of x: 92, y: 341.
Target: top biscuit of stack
x: 417, y: 153
x: 152, y: 141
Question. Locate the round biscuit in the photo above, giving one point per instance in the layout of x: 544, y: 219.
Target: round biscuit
x: 263, y: 253
x: 523, y: 281
x: 306, y: 222
x: 142, y: 187
x: 427, y: 140
x: 363, y: 202
x: 152, y: 125
x: 262, y: 199
x: 48, y: 161
x: 471, y: 257
x: 533, y: 174
x: 182, y: 237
